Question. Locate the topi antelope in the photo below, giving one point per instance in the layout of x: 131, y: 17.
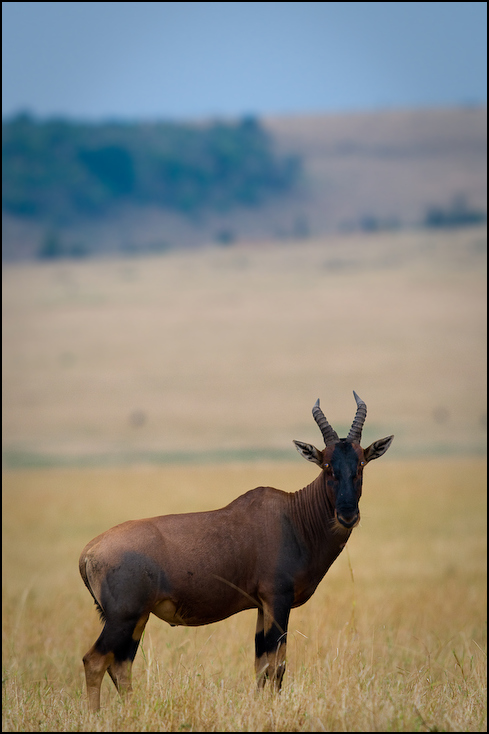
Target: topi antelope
x: 268, y: 550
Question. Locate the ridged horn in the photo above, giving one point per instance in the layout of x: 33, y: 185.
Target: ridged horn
x: 358, y: 421
x: 329, y: 435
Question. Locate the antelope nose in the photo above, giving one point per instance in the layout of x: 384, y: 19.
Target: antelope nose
x: 348, y: 521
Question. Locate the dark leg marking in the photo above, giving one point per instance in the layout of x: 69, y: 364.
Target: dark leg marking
x: 271, y: 644
x: 113, y: 652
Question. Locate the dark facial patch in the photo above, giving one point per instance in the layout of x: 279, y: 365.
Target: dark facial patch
x: 345, y: 465
x: 344, y: 458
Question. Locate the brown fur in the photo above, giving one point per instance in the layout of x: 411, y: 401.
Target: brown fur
x: 268, y: 549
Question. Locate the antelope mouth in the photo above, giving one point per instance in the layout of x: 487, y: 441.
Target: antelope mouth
x: 348, y: 522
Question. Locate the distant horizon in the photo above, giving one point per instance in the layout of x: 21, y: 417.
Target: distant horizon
x: 65, y: 117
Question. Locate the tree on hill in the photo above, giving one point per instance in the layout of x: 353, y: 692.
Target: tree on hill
x: 57, y: 171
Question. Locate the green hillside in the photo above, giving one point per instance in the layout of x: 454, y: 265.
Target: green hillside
x: 73, y: 189
x: 59, y: 171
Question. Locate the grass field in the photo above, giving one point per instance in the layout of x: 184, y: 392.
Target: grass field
x: 140, y: 387
x: 393, y: 639
x: 223, y: 352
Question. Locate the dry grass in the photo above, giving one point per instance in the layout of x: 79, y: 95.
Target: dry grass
x: 393, y: 640
x: 223, y: 352
x: 390, y: 164
x: 226, y: 350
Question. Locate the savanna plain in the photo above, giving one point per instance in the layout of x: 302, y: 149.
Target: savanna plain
x: 142, y: 387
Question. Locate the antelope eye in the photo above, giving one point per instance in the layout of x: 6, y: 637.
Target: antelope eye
x: 326, y: 466
x: 362, y: 463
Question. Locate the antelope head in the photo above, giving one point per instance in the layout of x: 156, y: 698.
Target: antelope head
x: 342, y: 461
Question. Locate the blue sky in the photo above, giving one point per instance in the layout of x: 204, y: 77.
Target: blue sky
x: 153, y: 60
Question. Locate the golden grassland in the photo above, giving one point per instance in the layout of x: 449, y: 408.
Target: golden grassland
x: 113, y: 369
x: 394, y: 638
x: 225, y: 350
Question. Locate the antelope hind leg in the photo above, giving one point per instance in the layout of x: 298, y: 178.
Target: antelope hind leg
x: 95, y: 664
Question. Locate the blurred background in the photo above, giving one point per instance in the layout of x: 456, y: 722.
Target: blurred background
x: 215, y: 213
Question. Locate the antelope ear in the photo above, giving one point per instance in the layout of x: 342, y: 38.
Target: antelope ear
x: 377, y: 448
x: 309, y: 452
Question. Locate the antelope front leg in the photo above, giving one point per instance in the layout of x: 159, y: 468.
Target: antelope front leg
x: 271, y: 645
x: 261, y: 659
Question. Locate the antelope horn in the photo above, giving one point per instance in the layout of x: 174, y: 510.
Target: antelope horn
x: 358, y: 421
x: 329, y: 435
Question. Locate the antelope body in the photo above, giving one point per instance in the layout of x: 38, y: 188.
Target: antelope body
x: 268, y: 550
